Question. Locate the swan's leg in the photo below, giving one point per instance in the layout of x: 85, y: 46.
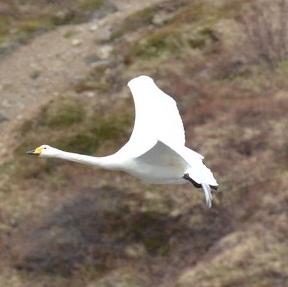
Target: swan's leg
x: 187, y: 177
x: 197, y: 185
x: 214, y: 187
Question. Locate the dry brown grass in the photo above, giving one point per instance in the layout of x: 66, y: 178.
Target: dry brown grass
x: 265, y: 26
x: 95, y: 228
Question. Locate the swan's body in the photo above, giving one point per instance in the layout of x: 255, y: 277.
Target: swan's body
x: 156, y: 151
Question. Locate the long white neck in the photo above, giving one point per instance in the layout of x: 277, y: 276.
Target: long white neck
x: 108, y: 162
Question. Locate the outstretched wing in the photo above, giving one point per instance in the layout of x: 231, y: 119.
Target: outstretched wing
x: 157, y: 118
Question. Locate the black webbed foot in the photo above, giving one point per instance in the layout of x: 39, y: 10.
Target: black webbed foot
x: 196, y: 184
x: 187, y: 177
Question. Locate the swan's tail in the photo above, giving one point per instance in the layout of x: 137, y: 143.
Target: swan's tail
x: 201, y: 176
x: 208, y: 194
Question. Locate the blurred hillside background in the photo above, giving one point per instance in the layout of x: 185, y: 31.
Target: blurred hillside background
x: 64, y: 66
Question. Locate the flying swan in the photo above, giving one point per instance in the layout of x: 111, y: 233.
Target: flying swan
x: 156, y: 151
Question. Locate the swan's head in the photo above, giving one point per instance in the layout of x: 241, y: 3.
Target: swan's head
x: 44, y: 151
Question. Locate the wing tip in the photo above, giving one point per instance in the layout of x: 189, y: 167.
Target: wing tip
x: 139, y: 79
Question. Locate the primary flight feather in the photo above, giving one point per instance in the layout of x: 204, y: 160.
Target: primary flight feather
x: 156, y: 151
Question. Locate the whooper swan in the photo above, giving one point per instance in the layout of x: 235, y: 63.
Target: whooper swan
x: 156, y: 151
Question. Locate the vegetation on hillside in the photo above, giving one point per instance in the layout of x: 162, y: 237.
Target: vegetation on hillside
x: 64, y: 224
x: 22, y: 20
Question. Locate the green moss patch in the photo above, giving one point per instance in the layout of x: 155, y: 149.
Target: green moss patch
x: 72, y: 125
x: 148, y: 17
x: 172, y: 42
x: 148, y: 229
x: 22, y: 20
x: 63, y: 112
x: 134, y: 22
x: 192, y: 27
x: 159, y: 44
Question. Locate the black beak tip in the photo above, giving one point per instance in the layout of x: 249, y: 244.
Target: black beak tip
x: 30, y: 152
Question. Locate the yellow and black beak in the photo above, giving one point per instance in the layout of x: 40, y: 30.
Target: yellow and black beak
x: 36, y: 151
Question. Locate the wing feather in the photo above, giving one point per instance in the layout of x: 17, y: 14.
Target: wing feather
x: 156, y: 118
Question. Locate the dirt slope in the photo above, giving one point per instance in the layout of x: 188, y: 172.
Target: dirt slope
x: 63, y: 224
x: 34, y: 73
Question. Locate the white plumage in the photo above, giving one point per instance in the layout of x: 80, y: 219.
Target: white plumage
x: 156, y: 151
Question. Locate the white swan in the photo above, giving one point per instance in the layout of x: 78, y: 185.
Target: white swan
x: 156, y: 151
